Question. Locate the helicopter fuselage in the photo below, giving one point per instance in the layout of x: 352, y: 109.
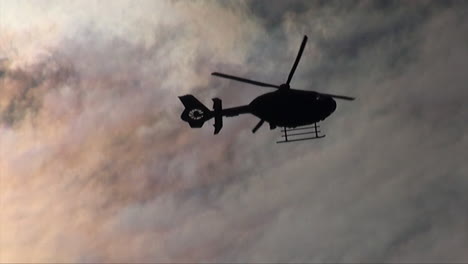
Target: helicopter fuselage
x: 292, y: 108
x: 285, y: 107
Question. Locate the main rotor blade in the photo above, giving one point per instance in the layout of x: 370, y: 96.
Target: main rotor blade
x: 301, y: 49
x: 244, y: 80
x: 260, y: 123
x: 339, y: 96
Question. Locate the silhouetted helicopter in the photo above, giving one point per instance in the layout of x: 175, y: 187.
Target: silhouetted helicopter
x: 288, y: 108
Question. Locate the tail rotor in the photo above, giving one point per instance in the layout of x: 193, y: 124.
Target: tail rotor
x: 196, y: 114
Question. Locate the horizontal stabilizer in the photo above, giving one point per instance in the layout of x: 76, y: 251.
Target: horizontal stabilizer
x: 218, y: 116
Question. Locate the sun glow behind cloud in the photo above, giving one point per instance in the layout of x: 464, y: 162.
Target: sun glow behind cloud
x: 72, y: 102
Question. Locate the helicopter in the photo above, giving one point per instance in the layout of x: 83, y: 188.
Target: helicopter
x: 296, y: 111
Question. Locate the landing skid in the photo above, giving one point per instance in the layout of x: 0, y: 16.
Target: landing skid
x: 289, y: 134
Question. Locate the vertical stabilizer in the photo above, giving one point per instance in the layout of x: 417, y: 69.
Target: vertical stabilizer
x: 195, y: 113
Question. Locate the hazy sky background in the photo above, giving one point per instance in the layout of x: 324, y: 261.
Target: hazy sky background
x: 96, y: 165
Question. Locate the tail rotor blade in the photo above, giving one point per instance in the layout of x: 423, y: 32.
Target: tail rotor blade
x: 222, y: 75
x: 298, y: 58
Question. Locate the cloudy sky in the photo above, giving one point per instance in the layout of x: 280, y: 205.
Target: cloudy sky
x: 96, y: 165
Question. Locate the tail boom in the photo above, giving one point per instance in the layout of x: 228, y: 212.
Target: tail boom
x: 235, y: 111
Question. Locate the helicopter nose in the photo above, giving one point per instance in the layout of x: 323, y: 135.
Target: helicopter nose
x: 329, y: 104
x: 332, y: 105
